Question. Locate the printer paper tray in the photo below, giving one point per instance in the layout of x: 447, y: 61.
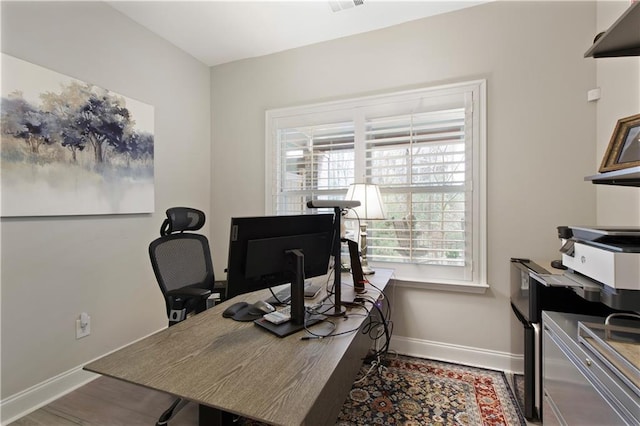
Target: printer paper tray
x: 556, y: 280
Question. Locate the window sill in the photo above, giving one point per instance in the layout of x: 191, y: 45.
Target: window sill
x: 411, y: 276
x: 448, y: 286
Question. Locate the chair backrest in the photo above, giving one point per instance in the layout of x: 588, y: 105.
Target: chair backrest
x: 181, y: 259
x: 180, y: 219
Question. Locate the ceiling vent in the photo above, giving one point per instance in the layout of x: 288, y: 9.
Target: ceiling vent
x: 338, y: 5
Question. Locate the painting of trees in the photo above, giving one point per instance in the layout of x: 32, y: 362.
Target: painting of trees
x: 25, y: 122
x: 87, y: 138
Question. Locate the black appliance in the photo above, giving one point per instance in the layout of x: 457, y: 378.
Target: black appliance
x: 530, y: 295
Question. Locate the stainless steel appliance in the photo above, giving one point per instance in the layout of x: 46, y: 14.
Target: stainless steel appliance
x: 537, y: 287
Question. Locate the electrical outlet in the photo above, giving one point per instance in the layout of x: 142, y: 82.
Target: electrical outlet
x: 594, y: 94
x: 83, y: 326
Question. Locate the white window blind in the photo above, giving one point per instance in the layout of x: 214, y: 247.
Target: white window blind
x: 420, y: 161
x: 313, y: 161
x: 424, y: 149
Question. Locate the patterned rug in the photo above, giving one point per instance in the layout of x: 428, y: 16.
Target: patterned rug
x: 413, y: 391
x: 518, y: 389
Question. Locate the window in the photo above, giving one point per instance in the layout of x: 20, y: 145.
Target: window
x: 424, y: 148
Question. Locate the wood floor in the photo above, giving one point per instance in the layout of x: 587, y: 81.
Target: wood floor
x: 109, y: 402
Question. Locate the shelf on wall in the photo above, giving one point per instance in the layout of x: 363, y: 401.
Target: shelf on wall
x: 622, y: 38
x: 623, y: 177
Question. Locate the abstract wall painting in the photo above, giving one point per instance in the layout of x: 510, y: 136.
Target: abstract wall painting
x: 71, y: 148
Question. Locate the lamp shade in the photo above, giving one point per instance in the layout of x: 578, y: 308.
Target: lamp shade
x: 371, y: 206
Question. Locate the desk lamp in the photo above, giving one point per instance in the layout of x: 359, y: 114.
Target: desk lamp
x: 370, y: 208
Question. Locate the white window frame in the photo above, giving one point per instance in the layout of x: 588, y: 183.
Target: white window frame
x: 413, y: 275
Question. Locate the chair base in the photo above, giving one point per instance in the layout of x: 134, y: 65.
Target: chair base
x: 177, y: 405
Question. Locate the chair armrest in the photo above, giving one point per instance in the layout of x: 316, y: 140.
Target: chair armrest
x: 189, y: 292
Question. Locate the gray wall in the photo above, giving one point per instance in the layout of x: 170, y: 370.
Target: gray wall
x: 541, y: 139
x: 54, y: 268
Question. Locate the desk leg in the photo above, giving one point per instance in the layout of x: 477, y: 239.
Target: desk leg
x: 209, y: 416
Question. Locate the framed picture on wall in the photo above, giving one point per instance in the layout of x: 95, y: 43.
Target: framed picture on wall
x: 69, y: 147
x: 623, y: 150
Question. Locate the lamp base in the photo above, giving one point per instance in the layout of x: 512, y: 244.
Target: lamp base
x: 366, y: 270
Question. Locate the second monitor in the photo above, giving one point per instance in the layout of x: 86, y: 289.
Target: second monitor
x: 267, y: 251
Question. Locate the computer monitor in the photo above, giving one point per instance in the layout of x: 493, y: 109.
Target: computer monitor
x: 267, y: 251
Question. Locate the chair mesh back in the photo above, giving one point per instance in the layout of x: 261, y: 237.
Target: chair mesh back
x: 181, y: 219
x: 182, y: 260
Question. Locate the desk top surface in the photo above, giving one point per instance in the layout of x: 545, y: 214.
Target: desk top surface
x: 236, y: 366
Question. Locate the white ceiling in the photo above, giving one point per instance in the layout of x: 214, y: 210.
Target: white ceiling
x: 217, y: 31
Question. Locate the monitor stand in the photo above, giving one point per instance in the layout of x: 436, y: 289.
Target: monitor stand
x: 300, y: 318
x: 289, y: 327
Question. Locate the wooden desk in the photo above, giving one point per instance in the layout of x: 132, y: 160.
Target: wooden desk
x: 240, y: 368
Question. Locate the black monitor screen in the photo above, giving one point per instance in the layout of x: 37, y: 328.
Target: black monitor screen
x: 258, y: 245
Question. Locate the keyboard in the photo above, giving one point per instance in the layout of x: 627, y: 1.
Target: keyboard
x: 279, y: 316
x: 283, y: 296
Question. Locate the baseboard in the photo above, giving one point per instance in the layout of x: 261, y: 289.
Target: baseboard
x: 23, y: 403
x: 41, y: 394
x: 476, y: 357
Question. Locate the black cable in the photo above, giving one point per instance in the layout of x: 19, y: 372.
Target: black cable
x: 332, y: 334
x: 388, y: 330
x: 368, y: 328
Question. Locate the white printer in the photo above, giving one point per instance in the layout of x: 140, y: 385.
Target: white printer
x: 605, y: 259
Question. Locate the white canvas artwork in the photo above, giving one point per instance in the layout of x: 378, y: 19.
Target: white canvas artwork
x: 71, y: 148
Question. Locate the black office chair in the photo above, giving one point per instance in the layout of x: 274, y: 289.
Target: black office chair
x: 182, y: 265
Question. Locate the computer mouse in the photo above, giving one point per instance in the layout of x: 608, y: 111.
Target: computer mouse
x: 233, y: 309
x: 261, y: 307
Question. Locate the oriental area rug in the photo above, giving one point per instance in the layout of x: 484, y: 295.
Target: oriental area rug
x: 409, y: 391
x: 412, y: 391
